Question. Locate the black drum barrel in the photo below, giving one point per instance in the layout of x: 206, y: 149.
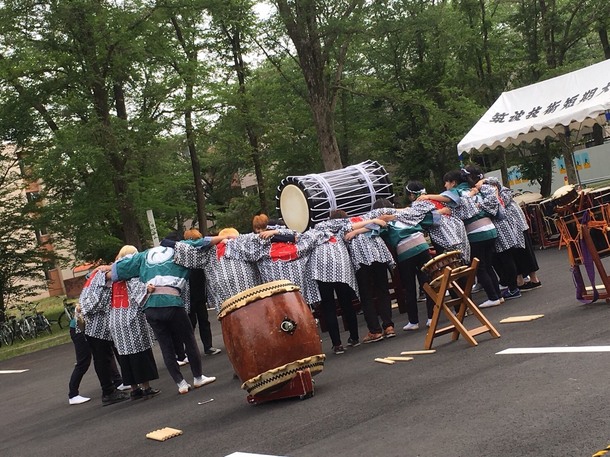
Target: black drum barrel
x: 303, y: 201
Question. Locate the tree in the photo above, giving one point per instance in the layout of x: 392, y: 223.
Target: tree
x: 321, y: 32
x: 22, y: 259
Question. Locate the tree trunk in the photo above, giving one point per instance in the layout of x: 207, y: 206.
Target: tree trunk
x: 325, y: 128
x: 504, y: 169
x: 195, y: 165
x: 240, y: 69
x: 314, y: 49
x: 603, y: 37
x: 191, y: 55
x: 568, y: 157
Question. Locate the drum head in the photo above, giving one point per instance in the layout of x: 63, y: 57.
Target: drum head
x: 294, y: 208
x: 527, y: 198
x: 563, y: 191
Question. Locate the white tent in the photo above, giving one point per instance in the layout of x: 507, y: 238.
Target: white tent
x: 577, y: 100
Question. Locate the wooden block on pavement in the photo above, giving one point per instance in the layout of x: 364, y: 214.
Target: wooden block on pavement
x: 385, y: 360
x: 164, y: 434
x: 420, y: 352
x: 513, y: 319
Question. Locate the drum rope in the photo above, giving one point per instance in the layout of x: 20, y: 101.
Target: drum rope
x: 330, y: 193
x: 369, y: 183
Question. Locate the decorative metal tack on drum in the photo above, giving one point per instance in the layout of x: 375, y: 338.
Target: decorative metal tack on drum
x: 270, y: 335
x: 303, y: 201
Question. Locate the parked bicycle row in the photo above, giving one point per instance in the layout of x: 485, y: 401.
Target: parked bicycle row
x: 24, y: 322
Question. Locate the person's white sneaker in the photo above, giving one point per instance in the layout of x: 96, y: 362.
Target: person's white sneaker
x: 181, y: 363
x: 428, y: 322
x: 411, y: 326
x: 202, y: 380
x: 78, y: 400
x: 183, y: 387
x: 123, y: 387
x: 489, y: 303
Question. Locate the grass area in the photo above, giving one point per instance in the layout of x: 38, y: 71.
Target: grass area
x: 52, y: 307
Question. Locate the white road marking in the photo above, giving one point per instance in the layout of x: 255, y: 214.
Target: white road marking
x: 247, y: 454
x: 554, y: 350
x: 13, y: 371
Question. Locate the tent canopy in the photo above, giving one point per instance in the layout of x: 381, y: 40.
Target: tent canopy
x: 577, y: 100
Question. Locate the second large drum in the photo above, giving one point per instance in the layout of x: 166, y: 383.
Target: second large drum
x: 303, y: 201
x: 270, y: 334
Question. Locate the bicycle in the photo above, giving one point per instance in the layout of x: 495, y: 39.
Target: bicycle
x: 24, y: 327
x: 6, y: 334
x: 66, y: 315
x: 41, y: 322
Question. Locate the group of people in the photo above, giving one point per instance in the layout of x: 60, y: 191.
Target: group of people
x: 125, y: 307
x: 333, y: 262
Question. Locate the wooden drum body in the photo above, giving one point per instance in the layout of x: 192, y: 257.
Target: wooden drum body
x: 435, y: 266
x: 270, y: 334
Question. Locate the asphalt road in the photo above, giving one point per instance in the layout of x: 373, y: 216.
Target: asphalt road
x: 461, y: 401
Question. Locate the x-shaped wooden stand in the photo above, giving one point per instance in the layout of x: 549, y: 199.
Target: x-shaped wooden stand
x: 449, y: 282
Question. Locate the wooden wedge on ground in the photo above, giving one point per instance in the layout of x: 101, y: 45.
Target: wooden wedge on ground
x: 423, y: 351
x: 513, y: 319
x: 387, y: 361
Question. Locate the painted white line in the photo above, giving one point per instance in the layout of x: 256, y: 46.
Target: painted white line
x: 13, y: 371
x: 247, y: 454
x: 554, y: 350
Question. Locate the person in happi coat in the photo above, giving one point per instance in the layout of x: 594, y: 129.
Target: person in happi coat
x: 164, y: 308
x: 224, y: 277
x: 332, y: 268
x: 94, y: 304
x: 131, y: 334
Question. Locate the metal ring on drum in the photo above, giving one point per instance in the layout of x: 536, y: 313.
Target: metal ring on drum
x: 303, y: 201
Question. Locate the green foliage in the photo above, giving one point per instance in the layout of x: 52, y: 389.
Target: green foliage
x: 415, y: 78
x: 22, y: 259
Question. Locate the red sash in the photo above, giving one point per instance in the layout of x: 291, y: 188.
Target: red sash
x: 120, y: 297
x: 283, y: 251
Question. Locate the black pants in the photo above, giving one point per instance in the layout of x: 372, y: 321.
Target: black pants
x: 169, y: 324
x: 344, y: 296
x: 138, y: 368
x: 199, y: 314
x: 104, y: 362
x: 409, y: 269
x: 484, y: 251
x: 526, y: 258
x: 506, y: 268
x: 373, y: 280
x: 83, y: 361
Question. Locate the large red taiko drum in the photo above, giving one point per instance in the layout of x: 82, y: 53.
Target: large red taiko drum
x: 270, y: 334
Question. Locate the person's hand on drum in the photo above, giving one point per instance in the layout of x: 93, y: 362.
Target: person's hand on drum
x: 150, y: 288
